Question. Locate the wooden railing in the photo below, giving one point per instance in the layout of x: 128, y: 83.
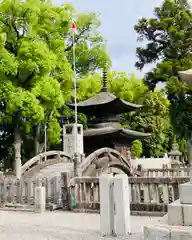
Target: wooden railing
x: 147, y: 195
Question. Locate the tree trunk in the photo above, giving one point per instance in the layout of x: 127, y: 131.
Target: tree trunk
x: 36, y: 139
x: 190, y: 149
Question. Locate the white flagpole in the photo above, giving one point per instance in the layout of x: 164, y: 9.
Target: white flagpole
x: 75, y: 89
x: 45, y: 139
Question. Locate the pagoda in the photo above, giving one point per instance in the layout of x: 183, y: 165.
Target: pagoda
x: 104, y: 112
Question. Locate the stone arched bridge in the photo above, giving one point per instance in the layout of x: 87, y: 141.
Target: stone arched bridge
x: 104, y: 160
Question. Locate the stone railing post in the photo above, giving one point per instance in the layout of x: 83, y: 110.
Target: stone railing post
x: 40, y: 199
x: 106, y: 205
x: 146, y: 193
x: 18, y: 164
x: 66, y: 191
x: 77, y: 165
x: 122, y: 205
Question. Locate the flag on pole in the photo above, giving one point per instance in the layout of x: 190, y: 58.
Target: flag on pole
x: 74, y: 28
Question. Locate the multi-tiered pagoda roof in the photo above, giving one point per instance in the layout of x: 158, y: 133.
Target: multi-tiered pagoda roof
x: 104, y: 111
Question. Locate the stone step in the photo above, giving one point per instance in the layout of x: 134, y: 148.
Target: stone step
x: 17, y: 207
x: 28, y: 208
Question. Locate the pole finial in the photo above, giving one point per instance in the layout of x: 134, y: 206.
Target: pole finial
x: 104, y: 82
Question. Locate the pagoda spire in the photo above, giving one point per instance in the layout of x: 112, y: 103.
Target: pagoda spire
x: 104, y: 89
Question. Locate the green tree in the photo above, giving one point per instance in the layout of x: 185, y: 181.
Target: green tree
x: 168, y: 35
x: 153, y: 118
x: 124, y: 85
x: 136, y: 149
x: 35, y: 64
x: 127, y: 87
x: 183, y: 148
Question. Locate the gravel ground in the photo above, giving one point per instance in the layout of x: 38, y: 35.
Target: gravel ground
x: 60, y: 226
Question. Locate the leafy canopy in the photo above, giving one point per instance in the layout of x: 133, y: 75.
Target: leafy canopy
x: 136, y: 149
x: 169, y: 35
x: 121, y: 84
x: 35, y: 64
x: 36, y: 74
x: 153, y: 118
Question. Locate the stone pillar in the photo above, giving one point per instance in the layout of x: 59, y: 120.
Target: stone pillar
x: 146, y: 193
x: 18, y: 164
x: 106, y: 204
x: 82, y: 157
x: 40, y: 199
x: 122, y: 205
x: 66, y: 192
x: 77, y: 165
x: 190, y: 155
x: 165, y: 193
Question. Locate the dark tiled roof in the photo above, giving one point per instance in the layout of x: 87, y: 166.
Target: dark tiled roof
x: 111, y: 130
x: 104, y: 98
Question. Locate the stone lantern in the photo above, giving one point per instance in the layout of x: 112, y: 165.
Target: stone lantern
x: 175, y: 155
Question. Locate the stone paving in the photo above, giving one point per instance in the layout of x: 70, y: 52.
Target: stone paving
x: 60, y: 226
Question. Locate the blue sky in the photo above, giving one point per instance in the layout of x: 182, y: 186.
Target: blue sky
x: 118, y: 18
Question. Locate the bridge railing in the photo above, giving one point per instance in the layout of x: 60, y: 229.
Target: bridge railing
x: 89, y: 159
x: 148, y: 196
x: 43, y: 157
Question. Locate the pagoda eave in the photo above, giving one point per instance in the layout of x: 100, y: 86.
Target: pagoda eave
x: 103, y: 102
x: 120, y: 131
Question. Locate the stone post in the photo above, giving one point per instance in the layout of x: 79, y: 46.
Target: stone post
x: 40, y: 199
x: 18, y: 164
x: 190, y: 155
x: 106, y: 205
x: 77, y: 165
x: 66, y: 198
x: 82, y: 157
x: 122, y: 205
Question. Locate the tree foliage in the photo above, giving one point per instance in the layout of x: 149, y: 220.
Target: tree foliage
x: 36, y: 74
x: 136, y: 149
x: 169, y: 35
x: 153, y: 118
x: 121, y: 84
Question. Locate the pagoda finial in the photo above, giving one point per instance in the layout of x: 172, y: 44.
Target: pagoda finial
x: 104, y: 82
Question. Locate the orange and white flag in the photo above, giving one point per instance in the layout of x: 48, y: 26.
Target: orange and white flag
x: 74, y: 28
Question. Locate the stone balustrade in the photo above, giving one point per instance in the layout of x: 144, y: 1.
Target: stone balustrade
x: 167, y: 172
x: 15, y: 191
x: 147, y: 195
